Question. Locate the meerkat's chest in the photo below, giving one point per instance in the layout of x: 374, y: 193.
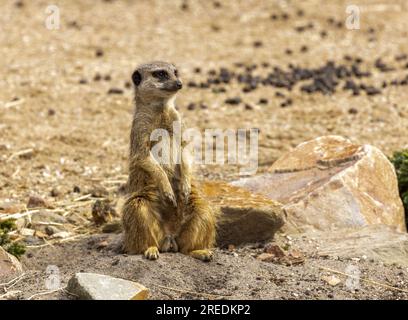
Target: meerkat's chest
x: 165, y: 146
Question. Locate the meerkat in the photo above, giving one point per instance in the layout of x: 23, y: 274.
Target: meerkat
x: 163, y: 211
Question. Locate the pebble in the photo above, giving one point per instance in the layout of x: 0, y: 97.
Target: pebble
x: 55, y: 192
x: 99, y: 53
x: 36, y: 202
x: 191, y: 106
x: 184, y: 6
x: 401, y: 57
x: 300, y: 13
x: 304, y: 49
x: 217, y: 4
x: 27, y: 232
x: 50, y: 230
x: 380, y: 65
x: 115, y: 91
x: 233, y: 101
x: 371, y: 91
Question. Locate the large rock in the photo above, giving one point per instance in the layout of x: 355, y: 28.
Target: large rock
x: 92, y: 286
x: 10, y: 267
x: 330, y: 183
x: 244, y: 217
x: 378, y: 242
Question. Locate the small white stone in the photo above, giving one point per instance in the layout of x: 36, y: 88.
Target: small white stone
x: 92, y: 286
x: 27, y: 232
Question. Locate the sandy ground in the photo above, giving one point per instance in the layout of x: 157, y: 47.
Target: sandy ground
x: 61, y: 130
x: 235, y: 274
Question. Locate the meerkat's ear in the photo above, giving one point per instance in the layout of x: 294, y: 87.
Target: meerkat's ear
x: 136, y: 78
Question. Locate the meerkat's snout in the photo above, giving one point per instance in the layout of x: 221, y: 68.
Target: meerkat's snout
x: 179, y: 84
x: 172, y: 85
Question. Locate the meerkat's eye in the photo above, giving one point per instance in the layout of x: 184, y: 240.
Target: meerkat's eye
x: 176, y: 73
x: 160, y: 74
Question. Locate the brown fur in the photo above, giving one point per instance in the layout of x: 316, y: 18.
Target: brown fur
x: 164, y: 210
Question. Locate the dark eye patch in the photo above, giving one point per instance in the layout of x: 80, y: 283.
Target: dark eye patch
x: 160, y: 74
x: 176, y: 73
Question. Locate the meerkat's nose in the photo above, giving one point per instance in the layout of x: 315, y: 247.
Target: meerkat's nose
x: 179, y: 85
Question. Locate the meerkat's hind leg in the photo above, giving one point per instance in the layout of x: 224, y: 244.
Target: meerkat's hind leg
x: 203, y: 255
x: 197, y: 234
x: 142, y: 230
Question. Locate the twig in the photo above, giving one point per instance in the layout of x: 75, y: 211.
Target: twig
x: 14, y: 283
x: 77, y: 205
x: 19, y: 153
x: 51, y: 243
x: 13, y: 103
x: 45, y: 293
x: 12, y: 280
x: 208, y: 295
x: 9, y: 293
x: 84, y: 235
x: 70, y: 293
x: 114, y: 181
x: 43, y: 223
x: 16, y: 172
x: 80, y: 217
x: 17, y: 215
x: 365, y: 280
x: 84, y: 197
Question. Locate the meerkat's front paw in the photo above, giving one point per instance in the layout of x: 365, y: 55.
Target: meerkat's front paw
x: 203, y: 255
x: 152, y: 253
x: 185, y: 191
x: 169, y: 244
x: 170, y: 198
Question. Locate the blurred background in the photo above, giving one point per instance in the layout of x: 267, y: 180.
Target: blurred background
x: 294, y: 69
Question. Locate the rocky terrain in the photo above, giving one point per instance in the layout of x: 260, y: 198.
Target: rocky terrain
x: 293, y: 72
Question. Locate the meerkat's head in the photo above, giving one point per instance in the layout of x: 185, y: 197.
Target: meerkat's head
x: 156, y: 81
